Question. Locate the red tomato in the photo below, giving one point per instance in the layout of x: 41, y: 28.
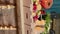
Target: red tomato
x: 46, y: 3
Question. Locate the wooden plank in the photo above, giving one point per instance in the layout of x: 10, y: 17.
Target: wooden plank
x: 27, y: 3
x: 2, y: 32
x: 27, y: 13
x: 8, y: 16
x: 1, y: 17
x: 12, y: 31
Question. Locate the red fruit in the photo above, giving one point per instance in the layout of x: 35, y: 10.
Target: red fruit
x: 46, y: 3
x: 34, y: 7
x: 42, y: 12
x: 35, y: 18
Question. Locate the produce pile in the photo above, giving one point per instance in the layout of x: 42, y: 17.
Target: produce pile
x: 40, y: 17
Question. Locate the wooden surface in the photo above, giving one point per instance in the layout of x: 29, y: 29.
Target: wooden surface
x: 7, y: 18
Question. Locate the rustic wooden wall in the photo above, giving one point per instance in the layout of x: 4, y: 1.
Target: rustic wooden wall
x: 7, y: 17
x: 27, y: 16
x: 13, y: 17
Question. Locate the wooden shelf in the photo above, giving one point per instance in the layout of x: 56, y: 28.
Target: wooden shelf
x: 7, y: 28
x: 6, y: 3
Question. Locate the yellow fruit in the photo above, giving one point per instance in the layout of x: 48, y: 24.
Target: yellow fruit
x: 42, y: 22
x: 39, y: 29
x: 39, y: 7
x: 33, y: 14
x: 39, y: 13
x: 37, y: 22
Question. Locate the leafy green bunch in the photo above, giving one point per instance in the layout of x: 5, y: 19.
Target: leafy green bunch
x: 47, y: 24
